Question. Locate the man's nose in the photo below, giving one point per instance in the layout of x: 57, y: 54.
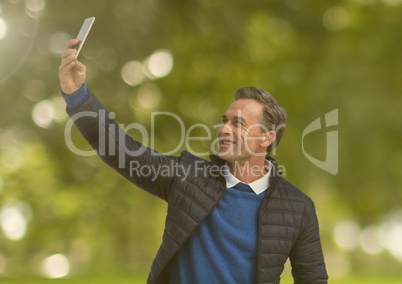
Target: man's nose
x: 225, y: 129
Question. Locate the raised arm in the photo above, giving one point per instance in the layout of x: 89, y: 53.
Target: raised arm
x: 141, y: 165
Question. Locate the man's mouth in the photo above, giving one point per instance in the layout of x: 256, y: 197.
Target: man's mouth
x: 227, y: 142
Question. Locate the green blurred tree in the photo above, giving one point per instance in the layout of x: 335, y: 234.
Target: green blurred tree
x: 314, y: 56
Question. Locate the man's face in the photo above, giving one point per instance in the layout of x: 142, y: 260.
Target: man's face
x: 242, y: 135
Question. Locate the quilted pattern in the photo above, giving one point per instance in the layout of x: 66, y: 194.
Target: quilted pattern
x: 288, y: 225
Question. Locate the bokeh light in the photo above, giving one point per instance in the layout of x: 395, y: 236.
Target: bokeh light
x: 346, y: 234
x: 370, y: 240
x: 56, y: 266
x: 391, y: 232
x: 336, y: 18
x: 149, y: 95
x: 394, y: 244
x: 57, y: 42
x: 160, y: 63
x: 13, y: 222
x: 35, y: 8
x: 21, y: 32
x: 3, y: 29
x: 132, y: 73
x: 43, y: 113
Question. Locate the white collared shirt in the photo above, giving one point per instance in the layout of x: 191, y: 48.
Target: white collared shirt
x: 258, y: 186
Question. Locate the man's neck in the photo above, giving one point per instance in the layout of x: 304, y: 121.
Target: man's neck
x: 248, y: 171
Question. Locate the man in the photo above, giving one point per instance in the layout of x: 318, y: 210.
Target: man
x: 231, y: 220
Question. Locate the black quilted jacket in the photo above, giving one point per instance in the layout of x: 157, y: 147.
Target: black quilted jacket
x: 288, y: 225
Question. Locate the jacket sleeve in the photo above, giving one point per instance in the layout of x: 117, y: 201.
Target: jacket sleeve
x: 139, y: 164
x: 306, y: 256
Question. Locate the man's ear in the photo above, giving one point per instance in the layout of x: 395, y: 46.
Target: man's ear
x: 269, y: 138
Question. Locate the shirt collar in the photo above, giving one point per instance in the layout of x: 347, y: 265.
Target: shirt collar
x: 258, y: 186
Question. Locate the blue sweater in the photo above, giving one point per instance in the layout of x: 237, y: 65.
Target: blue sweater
x: 224, y: 247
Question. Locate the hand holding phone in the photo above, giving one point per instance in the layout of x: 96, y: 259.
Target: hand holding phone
x: 83, y: 33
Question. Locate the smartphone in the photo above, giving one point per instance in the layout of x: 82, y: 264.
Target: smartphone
x: 84, y: 31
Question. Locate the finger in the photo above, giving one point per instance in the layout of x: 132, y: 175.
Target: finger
x: 66, y: 68
x: 71, y: 43
x: 68, y: 52
x: 68, y: 63
x: 80, y: 66
x: 67, y: 59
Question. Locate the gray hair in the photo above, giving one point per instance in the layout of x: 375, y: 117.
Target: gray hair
x: 274, y: 117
